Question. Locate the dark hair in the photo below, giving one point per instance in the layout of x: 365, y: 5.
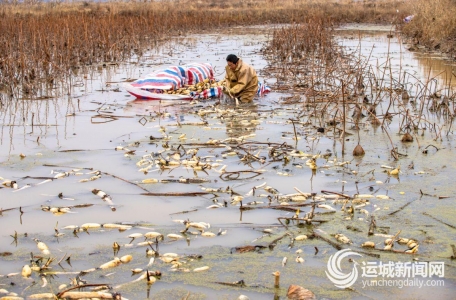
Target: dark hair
x: 232, y: 58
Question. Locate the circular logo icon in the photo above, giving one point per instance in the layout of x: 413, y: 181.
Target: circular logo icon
x: 334, y: 272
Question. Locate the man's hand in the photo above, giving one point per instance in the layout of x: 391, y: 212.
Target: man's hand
x: 227, y: 90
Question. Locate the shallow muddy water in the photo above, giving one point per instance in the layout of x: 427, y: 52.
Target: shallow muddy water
x: 67, y: 136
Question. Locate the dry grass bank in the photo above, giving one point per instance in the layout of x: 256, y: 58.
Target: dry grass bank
x: 433, y: 25
x: 42, y: 43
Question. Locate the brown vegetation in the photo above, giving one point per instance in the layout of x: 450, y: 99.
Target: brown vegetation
x: 433, y: 25
x: 338, y: 87
x: 42, y: 44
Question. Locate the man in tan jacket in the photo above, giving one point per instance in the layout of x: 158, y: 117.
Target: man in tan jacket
x: 241, y: 79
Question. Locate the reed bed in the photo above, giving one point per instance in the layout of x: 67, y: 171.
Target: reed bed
x: 42, y: 44
x: 339, y: 88
x: 433, y: 25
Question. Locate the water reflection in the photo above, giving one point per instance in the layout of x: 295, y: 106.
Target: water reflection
x: 392, y: 52
x: 243, y: 122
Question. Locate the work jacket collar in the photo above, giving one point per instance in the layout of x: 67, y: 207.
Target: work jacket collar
x: 238, y: 66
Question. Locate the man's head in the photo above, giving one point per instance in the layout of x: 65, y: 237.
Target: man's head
x: 232, y: 61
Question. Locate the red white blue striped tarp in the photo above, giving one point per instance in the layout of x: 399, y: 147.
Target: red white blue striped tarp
x: 262, y: 89
x: 172, y: 78
x: 213, y: 92
x: 175, y: 77
x: 197, y: 72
